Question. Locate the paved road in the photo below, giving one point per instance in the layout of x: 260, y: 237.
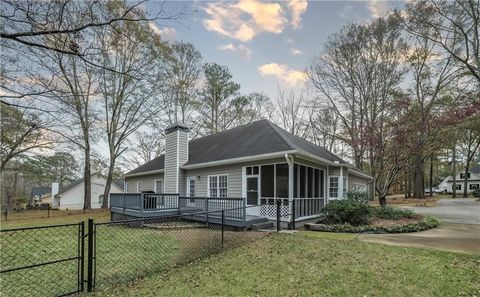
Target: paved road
x: 459, y: 210
x: 458, y: 231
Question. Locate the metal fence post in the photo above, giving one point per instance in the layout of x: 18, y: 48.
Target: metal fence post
x: 278, y: 215
x: 90, y: 256
x: 6, y: 214
x: 82, y: 256
x: 223, y: 226
x: 48, y: 211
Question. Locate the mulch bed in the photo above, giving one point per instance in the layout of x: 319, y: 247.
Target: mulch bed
x: 426, y: 202
x: 390, y: 223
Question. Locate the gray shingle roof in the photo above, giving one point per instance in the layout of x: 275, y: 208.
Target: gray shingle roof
x: 257, y: 138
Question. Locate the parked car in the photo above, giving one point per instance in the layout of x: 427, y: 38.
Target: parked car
x: 436, y: 190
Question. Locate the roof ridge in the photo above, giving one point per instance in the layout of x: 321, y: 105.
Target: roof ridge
x: 275, y: 128
x: 228, y: 130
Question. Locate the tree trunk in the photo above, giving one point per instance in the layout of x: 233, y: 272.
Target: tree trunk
x: 87, y: 182
x: 405, y: 186
x: 108, y: 185
x: 419, y: 184
x: 465, y: 179
x: 431, y: 176
x: 382, y: 200
x: 410, y: 184
x: 454, y: 171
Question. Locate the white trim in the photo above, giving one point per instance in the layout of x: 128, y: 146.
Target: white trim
x: 237, y: 160
x: 155, y: 185
x: 244, y: 182
x: 218, y: 183
x: 145, y: 173
x: 360, y: 174
x: 177, y: 168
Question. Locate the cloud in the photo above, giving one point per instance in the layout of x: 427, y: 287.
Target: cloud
x: 296, y: 52
x: 283, y: 73
x: 297, y: 7
x: 245, y: 19
x: 378, y: 8
x: 166, y: 33
x: 244, y: 51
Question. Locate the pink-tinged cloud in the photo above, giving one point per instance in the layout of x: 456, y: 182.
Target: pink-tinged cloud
x: 283, y: 73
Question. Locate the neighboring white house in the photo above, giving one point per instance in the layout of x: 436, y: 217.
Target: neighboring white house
x: 71, y: 196
x: 473, y: 182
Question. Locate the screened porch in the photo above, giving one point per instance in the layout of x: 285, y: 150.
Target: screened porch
x: 299, y: 189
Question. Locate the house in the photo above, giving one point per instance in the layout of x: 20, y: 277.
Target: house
x: 72, y: 195
x: 257, y: 164
x: 38, y: 193
x: 473, y: 181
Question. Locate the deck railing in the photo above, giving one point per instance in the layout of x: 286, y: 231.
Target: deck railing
x: 235, y: 205
x: 144, y: 202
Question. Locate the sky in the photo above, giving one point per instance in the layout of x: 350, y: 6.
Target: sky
x: 266, y: 45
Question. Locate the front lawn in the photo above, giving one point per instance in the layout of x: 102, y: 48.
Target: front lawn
x: 306, y: 264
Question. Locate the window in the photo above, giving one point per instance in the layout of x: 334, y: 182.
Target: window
x: 474, y: 186
x: 359, y: 187
x: 159, y: 186
x: 139, y: 187
x: 267, y: 181
x: 252, y: 170
x: 458, y: 187
x: 462, y: 175
x: 191, y: 188
x: 282, y: 180
x: 100, y: 199
x: 218, y: 185
x: 333, y: 193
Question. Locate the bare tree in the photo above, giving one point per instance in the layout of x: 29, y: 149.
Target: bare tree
x: 144, y: 147
x: 356, y: 75
x: 22, y: 132
x: 183, y: 69
x: 470, y: 144
x: 72, y: 92
x: 290, y: 111
x: 130, y: 95
x: 325, y: 125
x: 452, y: 25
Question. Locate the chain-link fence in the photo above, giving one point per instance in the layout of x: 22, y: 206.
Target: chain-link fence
x: 125, y: 250
x: 42, y: 261
x: 17, y: 213
x: 64, y: 259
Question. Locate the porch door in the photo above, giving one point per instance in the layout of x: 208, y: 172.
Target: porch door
x: 252, y: 195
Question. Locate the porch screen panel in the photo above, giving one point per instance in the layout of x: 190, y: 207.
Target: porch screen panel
x: 295, y: 180
x: 302, y: 182
x: 310, y: 182
x: 322, y: 183
x: 317, y: 183
x: 282, y: 180
x: 267, y: 181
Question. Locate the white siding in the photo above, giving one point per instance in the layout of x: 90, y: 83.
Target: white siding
x: 148, y: 182
x: 73, y: 199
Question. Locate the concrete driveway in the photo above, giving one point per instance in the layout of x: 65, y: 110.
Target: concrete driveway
x: 459, y: 228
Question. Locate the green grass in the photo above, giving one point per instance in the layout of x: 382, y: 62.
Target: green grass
x: 38, y: 218
x: 305, y: 264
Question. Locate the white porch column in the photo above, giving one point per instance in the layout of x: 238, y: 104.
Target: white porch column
x: 340, y: 184
x: 290, y: 182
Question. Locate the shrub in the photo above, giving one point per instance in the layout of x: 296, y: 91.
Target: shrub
x: 426, y: 223
x: 347, y: 211
x: 392, y: 213
x: 358, y: 196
